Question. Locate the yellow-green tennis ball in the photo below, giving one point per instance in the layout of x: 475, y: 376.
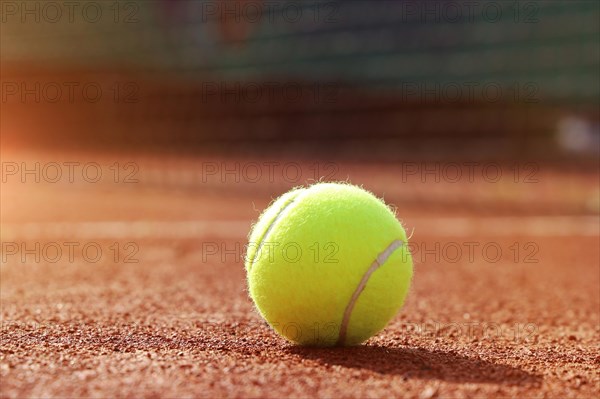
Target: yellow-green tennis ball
x: 328, y: 265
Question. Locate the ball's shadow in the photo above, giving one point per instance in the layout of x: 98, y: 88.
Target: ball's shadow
x: 419, y: 363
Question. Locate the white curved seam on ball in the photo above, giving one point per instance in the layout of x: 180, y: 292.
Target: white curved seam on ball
x: 279, y: 215
x: 377, y: 263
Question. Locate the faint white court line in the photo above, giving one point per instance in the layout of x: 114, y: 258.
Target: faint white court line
x: 128, y: 230
x: 540, y: 226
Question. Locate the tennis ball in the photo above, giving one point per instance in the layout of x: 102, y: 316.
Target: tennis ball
x: 328, y: 265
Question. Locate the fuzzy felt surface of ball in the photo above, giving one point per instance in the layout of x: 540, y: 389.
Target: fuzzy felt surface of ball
x: 328, y: 264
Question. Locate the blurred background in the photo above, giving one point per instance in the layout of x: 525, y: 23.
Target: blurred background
x: 444, y: 106
x: 385, y: 80
x: 375, y: 92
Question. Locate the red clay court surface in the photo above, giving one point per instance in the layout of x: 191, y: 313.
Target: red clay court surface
x: 179, y: 323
